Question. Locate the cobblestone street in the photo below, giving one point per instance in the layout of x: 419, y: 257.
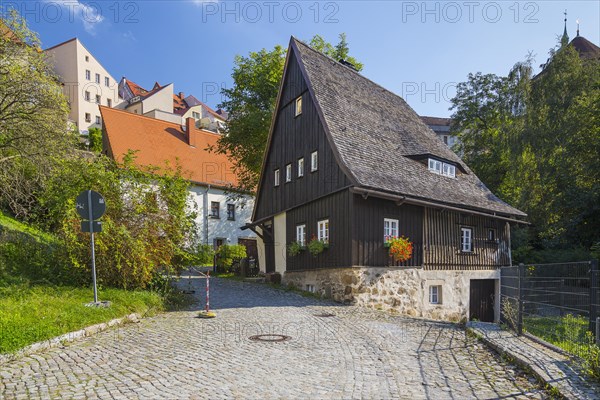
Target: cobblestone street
x: 334, y: 351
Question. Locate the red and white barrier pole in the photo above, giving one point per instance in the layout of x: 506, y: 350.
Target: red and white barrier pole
x: 208, y: 291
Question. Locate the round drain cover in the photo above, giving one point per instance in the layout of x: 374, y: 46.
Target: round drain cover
x: 324, y: 315
x: 269, y: 338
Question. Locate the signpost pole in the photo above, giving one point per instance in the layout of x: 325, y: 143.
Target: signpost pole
x: 91, y: 220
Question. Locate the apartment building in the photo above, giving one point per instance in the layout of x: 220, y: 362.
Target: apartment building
x: 86, y: 83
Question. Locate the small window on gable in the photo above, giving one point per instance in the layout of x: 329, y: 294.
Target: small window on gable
x: 87, y: 58
x: 301, y: 234
x: 298, y: 106
x: 300, y: 167
x: 106, y: 81
x: 323, y: 231
x: 466, y: 240
x: 288, y: 173
x: 88, y: 75
x: 314, y: 161
x: 435, y: 294
x: 276, y: 183
x: 97, y: 78
x: 390, y: 228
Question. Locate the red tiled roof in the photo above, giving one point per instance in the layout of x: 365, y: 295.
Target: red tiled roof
x: 136, y: 89
x: 436, y: 121
x: 158, y: 142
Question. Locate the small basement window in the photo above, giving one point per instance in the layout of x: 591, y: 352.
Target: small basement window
x: 314, y: 161
x: 276, y: 183
x: 288, y: 173
x: 298, y: 106
x: 466, y: 240
x: 300, y: 167
x: 435, y: 294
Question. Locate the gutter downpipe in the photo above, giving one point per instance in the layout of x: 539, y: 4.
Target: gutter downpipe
x: 205, y: 214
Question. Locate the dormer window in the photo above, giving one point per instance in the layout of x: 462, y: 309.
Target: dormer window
x: 298, y: 106
x: 442, y: 168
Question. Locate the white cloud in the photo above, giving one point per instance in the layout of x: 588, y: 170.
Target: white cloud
x: 89, y: 14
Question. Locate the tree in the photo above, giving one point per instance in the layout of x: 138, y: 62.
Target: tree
x: 33, y: 116
x: 250, y: 104
x: 535, y: 142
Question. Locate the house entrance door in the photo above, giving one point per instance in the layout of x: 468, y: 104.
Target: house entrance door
x: 482, y: 299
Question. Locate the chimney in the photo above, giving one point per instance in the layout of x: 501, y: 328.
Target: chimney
x: 181, y: 95
x: 190, y: 131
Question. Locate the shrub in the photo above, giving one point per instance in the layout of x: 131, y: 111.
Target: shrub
x: 227, y: 254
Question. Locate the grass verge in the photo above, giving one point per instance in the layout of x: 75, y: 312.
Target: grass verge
x: 30, y: 314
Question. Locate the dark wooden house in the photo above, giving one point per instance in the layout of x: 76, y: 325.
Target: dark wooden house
x: 349, y: 163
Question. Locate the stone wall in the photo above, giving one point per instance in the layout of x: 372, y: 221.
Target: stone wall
x: 404, y: 290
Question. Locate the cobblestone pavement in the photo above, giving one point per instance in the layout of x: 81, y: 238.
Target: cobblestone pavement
x: 356, y: 353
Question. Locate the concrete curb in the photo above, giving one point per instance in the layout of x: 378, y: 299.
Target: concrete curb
x: 68, y: 337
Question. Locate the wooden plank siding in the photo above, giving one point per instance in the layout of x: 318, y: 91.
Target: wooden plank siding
x: 367, y: 236
x: 295, y: 137
x: 442, y: 247
x: 335, y: 207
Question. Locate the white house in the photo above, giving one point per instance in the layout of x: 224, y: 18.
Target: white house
x: 157, y: 143
x: 86, y: 83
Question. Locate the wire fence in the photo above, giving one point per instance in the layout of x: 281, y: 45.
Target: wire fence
x: 557, y: 303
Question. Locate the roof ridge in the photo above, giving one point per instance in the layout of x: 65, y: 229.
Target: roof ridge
x: 162, y: 121
x: 62, y: 44
x: 349, y: 69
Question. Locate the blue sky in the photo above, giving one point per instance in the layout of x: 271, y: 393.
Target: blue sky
x: 417, y: 49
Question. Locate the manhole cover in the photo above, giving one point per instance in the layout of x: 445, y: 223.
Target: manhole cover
x: 324, y: 315
x: 269, y: 338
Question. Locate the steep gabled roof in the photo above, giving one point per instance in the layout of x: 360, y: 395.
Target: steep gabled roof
x: 439, y: 121
x: 378, y: 138
x: 158, y: 142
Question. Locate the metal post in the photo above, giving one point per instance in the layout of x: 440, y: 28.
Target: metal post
x: 594, y: 286
x: 91, y: 221
x: 520, y: 305
x: 207, y: 291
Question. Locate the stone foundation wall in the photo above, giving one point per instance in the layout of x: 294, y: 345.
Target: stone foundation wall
x: 403, y: 290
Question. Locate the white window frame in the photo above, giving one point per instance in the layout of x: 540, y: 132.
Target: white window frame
x: 88, y: 75
x: 288, y: 173
x: 493, y: 233
x: 97, y: 78
x: 277, y: 177
x: 298, y: 109
x: 106, y: 81
x: 435, y: 166
x: 98, y: 99
x: 441, y: 168
x: 300, y: 167
x: 448, y: 170
x: 88, y: 117
x: 301, y: 234
x: 323, y: 230
x: 195, y: 115
x: 390, y: 228
x: 314, y: 161
x: 435, y: 294
x: 98, y: 120
x: 87, y: 96
x: 466, y: 240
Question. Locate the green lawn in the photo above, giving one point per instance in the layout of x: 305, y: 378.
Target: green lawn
x: 568, y: 332
x: 32, y: 314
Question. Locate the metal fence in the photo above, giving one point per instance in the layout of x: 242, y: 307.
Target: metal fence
x: 558, y: 303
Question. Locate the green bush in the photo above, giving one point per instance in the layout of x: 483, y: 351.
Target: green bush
x: 316, y: 247
x: 203, y: 255
x: 227, y: 254
x: 295, y: 248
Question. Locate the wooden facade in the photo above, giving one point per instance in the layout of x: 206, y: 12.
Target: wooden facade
x: 356, y: 223
x: 297, y: 137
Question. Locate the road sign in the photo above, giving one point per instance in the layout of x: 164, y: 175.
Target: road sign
x: 90, y: 200
x: 96, y: 226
